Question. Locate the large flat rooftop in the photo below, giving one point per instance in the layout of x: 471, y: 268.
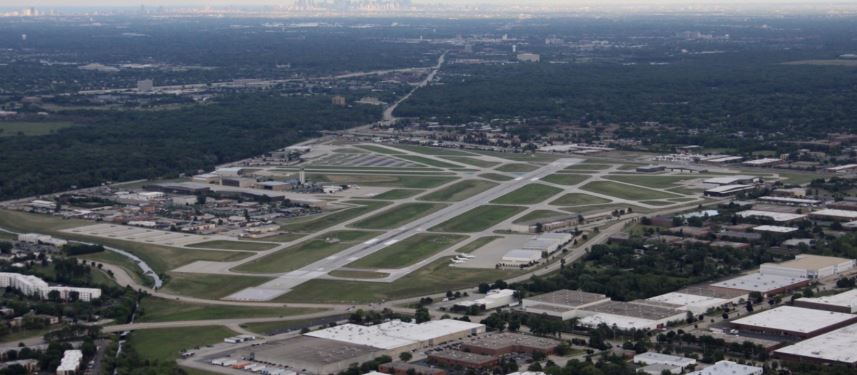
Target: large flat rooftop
x: 846, y: 300
x: 634, y: 310
x: 795, y: 319
x: 813, y: 262
x: 505, y: 340
x: 759, y: 282
x: 570, y: 298
x: 834, y: 346
x: 304, y: 350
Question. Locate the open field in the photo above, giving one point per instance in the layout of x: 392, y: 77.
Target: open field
x: 520, y: 156
x: 164, y: 310
x: 495, y: 176
x: 209, y: 286
x: 397, y: 194
x: 304, y: 253
x: 433, y: 278
x: 587, y: 167
x: 437, y: 151
x: 267, y: 328
x: 310, y: 225
x: 477, y: 244
x: 472, y: 161
x: 380, y: 150
x: 285, y: 237
x: 478, y: 219
x: 585, y: 210
x: 408, y: 251
x: 397, y: 216
x: 15, y: 128
x: 628, y: 192
x: 358, y: 274
x: 539, y: 215
x: 458, y: 191
x: 168, y: 343
x: 565, y: 179
x: 529, y: 194
x: 658, y: 182
x: 121, y: 261
x: 516, y: 167
x: 578, y: 199
x: 413, y: 182
x: 429, y: 162
x: 234, y: 245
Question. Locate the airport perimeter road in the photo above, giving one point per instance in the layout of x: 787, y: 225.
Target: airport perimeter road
x: 286, y: 282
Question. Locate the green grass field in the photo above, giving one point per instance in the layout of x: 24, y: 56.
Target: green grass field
x: 123, y: 262
x: 628, y: 192
x: 478, y: 219
x: 586, y: 210
x: 164, y: 310
x: 477, y: 244
x: 428, y: 161
x: 657, y: 203
x: 436, y: 277
x: 380, y: 150
x: 587, y: 167
x: 234, y: 245
x: 395, y: 194
x: 565, y: 179
x: 16, y: 128
x: 578, y: 199
x: 408, y: 181
x: 657, y: 182
x: 458, y: 191
x: 472, y: 161
x: 528, y: 194
x: 496, y: 176
x: 354, y: 274
x: 539, y: 215
x: 408, y: 251
x: 310, y: 225
x: 397, y: 216
x: 167, y: 344
x: 516, y: 167
x: 209, y: 286
x: 532, y: 158
x: 437, y: 151
x: 304, y: 253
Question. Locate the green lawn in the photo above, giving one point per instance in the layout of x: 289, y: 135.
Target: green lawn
x: 585, y: 210
x: 477, y: 244
x: 380, y: 150
x: 529, y: 194
x: 472, y: 161
x: 209, y: 286
x: 516, y: 167
x: 657, y: 203
x: 436, y: 277
x: 587, y: 167
x: 164, y: 310
x: 167, y: 344
x: 304, y: 253
x: 658, y: 182
x: 532, y: 158
x: 358, y: 274
x: 397, y: 194
x: 285, y: 237
x: 624, y: 191
x: 398, y: 215
x: 459, y: 191
x: 565, y: 179
x: 334, y: 218
x: 407, y: 181
x: 15, y: 128
x: 539, y: 215
x: 123, y: 262
x: 578, y: 199
x: 429, y: 161
x: 437, y: 151
x: 478, y: 219
x: 234, y: 245
x: 496, y: 176
x: 408, y: 251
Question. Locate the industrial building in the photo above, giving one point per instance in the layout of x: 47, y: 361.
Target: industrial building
x: 779, y: 217
x: 564, y: 304
x: 520, y: 257
x: 809, y: 266
x: 70, y: 362
x: 503, y: 343
x: 845, y: 302
x: 404, y: 368
x: 837, y: 346
x: 764, y: 162
x: 727, y: 190
x: 789, y: 201
x: 397, y: 336
x: 731, y: 180
x: 35, y: 238
x: 834, y: 215
x: 690, y: 302
x: 774, y: 229
x: 463, y: 359
x: 655, y: 358
x: 729, y: 368
x: 794, y: 322
x: 493, y: 299
x: 767, y: 284
x: 316, y: 356
x: 631, y: 315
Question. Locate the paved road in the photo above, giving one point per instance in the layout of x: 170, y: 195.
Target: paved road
x: 285, y: 283
x: 388, y: 117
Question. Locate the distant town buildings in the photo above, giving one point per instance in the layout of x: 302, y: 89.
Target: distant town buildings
x: 529, y: 57
x: 34, y: 286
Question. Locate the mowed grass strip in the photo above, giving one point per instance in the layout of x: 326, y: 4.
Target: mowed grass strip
x: 516, y: 167
x: 165, y: 310
x: 166, y: 344
x: 310, y: 225
x: 354, y: 274
x: 398, y: 215
x: 410, y: 181
x: 478, y: 219
x: 496, y: 176
x: 658, y: 182
x: 209, y: 286
x: 477, y: 244
x: 578, y: 199
x: 299, y: 255
x: 429, y: 161
x: 472, y: 161
x: 587, y: 167
x: 395, y: 194
x: 408, y: 251
x: 528, y: 194
x: 425, y: 150
x: 624, y: 191
x: 540, y: 215
x: 380, y: 150
x: 565, y: 179
x: 458, y: 191
x: 233, y: 245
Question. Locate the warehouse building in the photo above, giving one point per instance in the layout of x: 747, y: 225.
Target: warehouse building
x: 779, y: 217
x: 809, y: 266
x: 631, y: 315
x: 690, y: 302
x: 397, y: 336
x: 774, y: 229
x: 794, y: 322
x: 764, y: 162
x: 767, y: 284
x: 549, y: 242
x: 504, y: 343
x: 731, y: 180
x: 520, y: 257
x: 729, y: 368
x: 655, y: 358
x: 727, y: 190
x: 845, y: 302
x: 837, y: 346
x: 564, y: 304
x: 404, y: 368
x: 463, y: 359
x: 834, y: 215
x: 314, y: 355
x: 493, y: 299
x: 789, y: 201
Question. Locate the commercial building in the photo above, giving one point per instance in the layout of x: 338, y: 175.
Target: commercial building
x: 70, y: 362
x: 834, y: 215
x: 779, y: 217
x: 655, y: 358
x: 520, y: 257
x: 764, y: 162
x: 35, y: 238
x: 495, y: 298
x: 795, y: 322
x: 631, y: 315
x: 774, y: 229
x: 463, y: 359
x: 314, y: 355
x: 809, y: 267
x: 397, y: 336
x: 767, y: 284
x: 548, y: 242
x: 845, y: 302
x: 404, y: 368
x: 34, y: 286
x: 564, y: 304
x: 789, y: 201
x: 729, y: 368
x: 843, y: 168
x: 731, y: 180
x: 503, y: 343
x: 651, y: 168
x: 690, y: 302
x: 837, y: 346
x: 529, y: 57
x: 727, y: 190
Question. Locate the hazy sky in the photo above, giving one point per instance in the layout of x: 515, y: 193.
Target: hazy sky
x: 62, y: 3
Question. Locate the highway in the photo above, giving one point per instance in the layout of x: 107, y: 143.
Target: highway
x: 287, y: 282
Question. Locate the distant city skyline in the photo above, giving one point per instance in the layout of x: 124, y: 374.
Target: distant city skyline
x: 559, y: 3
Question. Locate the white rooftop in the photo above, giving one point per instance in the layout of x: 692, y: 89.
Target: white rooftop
x: 361, y: 335
x: 759, y: 282
x: 775, y: 216
x: 394, y: 334
x: 835, y: 346
x: 728, y: 368
x: 689, y: 301
x: 844, y: 299
x: 523, y: 255
x: 728, y: 188
x: 795, y: 319
x: 728, y: 180
x: 621, y: 322
x: 762, y: 161
x: 850, y: 215
x: 666, y: 359
x: 774, y: 229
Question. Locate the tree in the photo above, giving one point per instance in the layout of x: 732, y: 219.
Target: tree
x: 54, y: 296
x: 405, y: 356
x: 422, y: 315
